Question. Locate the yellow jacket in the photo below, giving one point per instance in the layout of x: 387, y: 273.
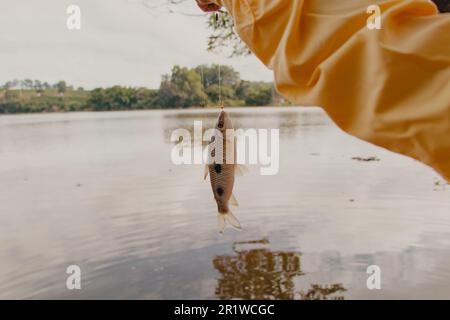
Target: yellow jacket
x: 388, y: 86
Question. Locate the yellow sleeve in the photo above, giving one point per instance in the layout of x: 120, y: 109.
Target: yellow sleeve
x: 388, y: 86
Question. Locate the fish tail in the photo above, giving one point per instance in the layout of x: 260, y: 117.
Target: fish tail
x: 221, y: 222
x: 230, y: 218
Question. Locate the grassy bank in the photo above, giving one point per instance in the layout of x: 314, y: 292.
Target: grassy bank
x: 29, y: 101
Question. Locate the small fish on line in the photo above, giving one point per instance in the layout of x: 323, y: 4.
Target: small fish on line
x: 222, y: 168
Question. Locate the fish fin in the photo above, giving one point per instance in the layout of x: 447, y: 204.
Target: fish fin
x: 232, y: 220
x: 205, y: 175
x: 233, y: 201
x: 221, y: 222
x: 240, y: 169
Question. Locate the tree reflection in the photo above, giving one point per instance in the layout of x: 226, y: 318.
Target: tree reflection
x: 262, y: 274
x: 323, y: 292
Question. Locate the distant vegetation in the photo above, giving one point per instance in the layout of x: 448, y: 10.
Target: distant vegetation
x: 183, y: 88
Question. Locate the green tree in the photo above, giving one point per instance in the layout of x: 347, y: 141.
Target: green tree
x: 97, y: 99
x: 256, y: 93
x: 146, y: 98
x: 167, y: 94
x: 61, y: 87
x: 215, y: 92
x: 121, y: 98
x: 39, y: 87
x: 27, y: 84
x: 219, y: 81
x: 183, y: 88
x: 210, y: 75
x: 115, y: 98
x: 8, y: 85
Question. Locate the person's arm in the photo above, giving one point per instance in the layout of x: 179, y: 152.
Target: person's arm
x: 208, y: 6
x: 382, y: 79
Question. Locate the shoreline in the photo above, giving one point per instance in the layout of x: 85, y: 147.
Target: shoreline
x: 151, y: 109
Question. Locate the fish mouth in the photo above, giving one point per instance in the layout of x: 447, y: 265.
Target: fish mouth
x: 221, y: 121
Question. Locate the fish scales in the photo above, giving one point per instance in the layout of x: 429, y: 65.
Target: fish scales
x: 222, y: 173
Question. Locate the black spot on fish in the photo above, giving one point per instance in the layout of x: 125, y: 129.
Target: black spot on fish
x: 213, y: 153
x: 213, y: 138
x: 220, y: 191
x: 220, y: 125
x: 218, y: 168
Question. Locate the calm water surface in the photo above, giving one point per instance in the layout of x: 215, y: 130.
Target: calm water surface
x: 99, y: 190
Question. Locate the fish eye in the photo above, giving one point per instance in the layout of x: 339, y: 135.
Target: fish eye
x: 220, y: 125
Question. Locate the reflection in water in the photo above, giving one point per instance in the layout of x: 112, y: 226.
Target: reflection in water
x: 323, y: 292
x: 284, y: 120
x: 262, y: 274
x: 102, y: 193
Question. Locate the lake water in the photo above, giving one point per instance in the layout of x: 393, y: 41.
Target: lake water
x: 99, y: 190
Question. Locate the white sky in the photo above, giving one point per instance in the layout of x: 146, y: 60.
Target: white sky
x: 121, y: 42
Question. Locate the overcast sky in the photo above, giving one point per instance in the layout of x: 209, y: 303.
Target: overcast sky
x: 121, y: 42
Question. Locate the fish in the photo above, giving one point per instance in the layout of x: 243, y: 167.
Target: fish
x: 222, y: 169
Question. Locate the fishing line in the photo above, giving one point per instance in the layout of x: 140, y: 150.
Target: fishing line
x: 220, y: 89
x: 205, y: 95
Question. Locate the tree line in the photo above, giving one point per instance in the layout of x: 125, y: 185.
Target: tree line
x: 182, y: 88
x: 37, y: 85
